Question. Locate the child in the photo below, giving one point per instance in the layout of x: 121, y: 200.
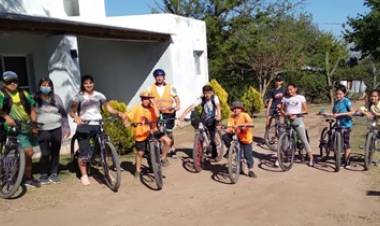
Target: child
x: 211, y: 113
x: 239, y: 121
x: 342, y: 111
x: 144, y: 117
x: 373, y: 107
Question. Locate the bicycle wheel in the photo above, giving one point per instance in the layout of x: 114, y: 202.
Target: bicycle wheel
x: 369, y: 149
x: 219, y: 146
x: 198, y: 153
x: 338, y: 149
x: 111, y: 166
x: 324, y: 149
x: 12, y: 167
x: 271, y: 135
x: 234, y: 162
x: 74, y: 145
x: 155, y: 161
x: 285, y: 152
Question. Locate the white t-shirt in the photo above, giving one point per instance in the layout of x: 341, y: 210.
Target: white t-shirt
x: 294, y: 104
x: 90, y: 105
x: 208, y: 107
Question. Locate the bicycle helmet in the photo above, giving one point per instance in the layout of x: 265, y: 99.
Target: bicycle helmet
x: 158, y: 72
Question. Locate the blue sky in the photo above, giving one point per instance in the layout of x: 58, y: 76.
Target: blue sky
x: 327, y: 14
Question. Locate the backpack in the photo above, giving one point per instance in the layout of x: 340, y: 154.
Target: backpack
x: 195, y: 117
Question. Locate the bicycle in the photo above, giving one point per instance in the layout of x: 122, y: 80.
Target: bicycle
x: 154, y: 149
x: 12, y: 162
x: 331, y: 140
x: 288, y: 144
x: 371, y: 141
x: 104, y: 155
x: 236, y: 159
x: 202, y: 148
x: 273, y: 132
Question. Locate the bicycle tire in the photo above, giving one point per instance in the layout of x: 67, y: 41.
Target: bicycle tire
x: 324, y: 144
x: 72, y: 146
x: 19, y: 175
x: 234, y: 162
x: 338, y: 149
x: 155, y: 158
x: 268, y: 138
x: 369, y: 149
x: 198, y: 160
x: 285, y: 147
x: 110, y: 153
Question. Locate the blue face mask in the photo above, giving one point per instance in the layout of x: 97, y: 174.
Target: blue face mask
x: 45, y: 89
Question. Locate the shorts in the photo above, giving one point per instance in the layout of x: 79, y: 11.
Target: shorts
x: 143, y: 145
x: 169, y: 124
x: 26, y: 141
x: 346, y: 132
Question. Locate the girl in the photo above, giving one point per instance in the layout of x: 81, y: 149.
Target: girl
x: 293, y: 106
x: 54, y: 123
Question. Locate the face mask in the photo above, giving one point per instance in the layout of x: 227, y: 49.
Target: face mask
x: 45, y: 89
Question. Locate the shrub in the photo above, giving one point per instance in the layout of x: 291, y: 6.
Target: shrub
x: 223, y: 98
x: 252, y: 101
x: 121, y: 136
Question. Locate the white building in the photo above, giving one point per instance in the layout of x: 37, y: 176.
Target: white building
x: 64, y: 39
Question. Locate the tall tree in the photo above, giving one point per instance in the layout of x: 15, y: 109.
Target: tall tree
x: 364, y: 30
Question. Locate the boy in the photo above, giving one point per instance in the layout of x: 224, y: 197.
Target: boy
x: 275, y: 97
x: 238, y: 123
x: 145, y: 116
x: 18, y: 105
x: 210, y: 115
x: 342, y: 111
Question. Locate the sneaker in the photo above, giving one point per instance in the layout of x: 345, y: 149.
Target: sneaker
x: 172, y: 153
x: 347, y: 164
x: 137, y: 174
x: 32, y: 183
x: 54, y: 179
x: 85, y: 180
x: 276, y: 164
x: 311, y: 163
x: 252, y: 174
x: 165, y: 162
x: 44, y: 179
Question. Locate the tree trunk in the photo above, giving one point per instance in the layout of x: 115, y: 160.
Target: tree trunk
x: 330, y: 74
x: 374, y: 73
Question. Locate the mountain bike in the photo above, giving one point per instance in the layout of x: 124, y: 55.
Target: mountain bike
x: 12, y: 162
x: 289, y: 144
x: 331, y: 140
x: 104, y: 156
x: 236, y: 158
x: 202, y: 149
x: 371, y: 144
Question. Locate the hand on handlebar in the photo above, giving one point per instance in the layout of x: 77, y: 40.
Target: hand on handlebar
x: 78, y: 120
x: 10, y: 121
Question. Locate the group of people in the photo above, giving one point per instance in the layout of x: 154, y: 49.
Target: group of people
x: 44, y: 120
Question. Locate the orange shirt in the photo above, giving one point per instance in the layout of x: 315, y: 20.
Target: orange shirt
x: 245, y: 135
x: 140, y: 114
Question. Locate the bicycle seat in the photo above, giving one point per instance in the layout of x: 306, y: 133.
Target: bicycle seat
x: 330, y: 120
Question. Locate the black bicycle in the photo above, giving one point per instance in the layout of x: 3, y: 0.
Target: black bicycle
x: 370, y: 145
x: 104, y: 156
x: 236, y: 158
x: 12, y: 161
x: 331, y: 141
x: 289, y: 144
x: 273, y: 132
x: 154, y: 151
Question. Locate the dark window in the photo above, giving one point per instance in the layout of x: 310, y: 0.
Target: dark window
x: 17, y: 64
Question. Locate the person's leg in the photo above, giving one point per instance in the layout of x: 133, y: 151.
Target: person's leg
x: 247, y: 150
x: 83, y: 132
x: 166, y: 142
x: 227, y: 139
x: 44, y: 143
x: 141, y: 148
x: 347, y: 147
x: 301, y: 131
x: 56, y: 139
x: 212, y: 132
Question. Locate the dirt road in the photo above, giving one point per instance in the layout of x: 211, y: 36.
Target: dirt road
x: 302, y: 196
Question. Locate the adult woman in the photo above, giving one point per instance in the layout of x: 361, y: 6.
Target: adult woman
x: 293, y: 106
x: 54, y: 123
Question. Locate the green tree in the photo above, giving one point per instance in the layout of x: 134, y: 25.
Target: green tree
x: 252, y: 101
x: 364, y: 30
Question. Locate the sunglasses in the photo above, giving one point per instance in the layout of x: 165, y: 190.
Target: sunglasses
x: 15, y: 81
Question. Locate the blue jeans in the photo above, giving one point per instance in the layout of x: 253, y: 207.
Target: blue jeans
x: 246, y: 149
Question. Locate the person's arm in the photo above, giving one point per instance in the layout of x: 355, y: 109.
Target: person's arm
x: 177, y: 103
x: 304, y: 107
x: 154, y: 106
x: 73, y: 112
x: 65, y: 119
x: 187, y: 111
x: 269, y: 107
x: 218, y: 116
x: 350, y: 112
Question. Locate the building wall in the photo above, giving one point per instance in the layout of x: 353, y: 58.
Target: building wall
x: 121, y: 69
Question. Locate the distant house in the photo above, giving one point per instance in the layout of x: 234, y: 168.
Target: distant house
x: 354, y: 86
x: 64, y: 39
